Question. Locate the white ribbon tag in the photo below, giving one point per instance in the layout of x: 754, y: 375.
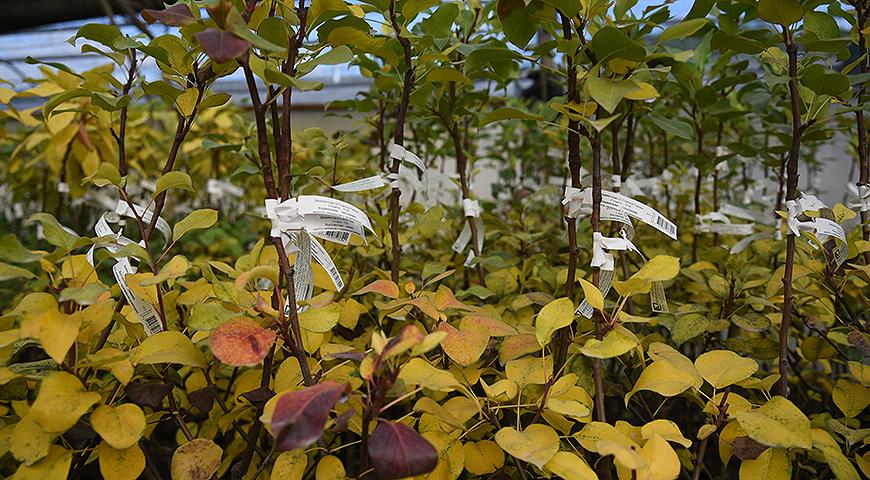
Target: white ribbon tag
x: 296, y: 221
x: 368, y: 183
x: 471, y: 209
x: 145, y: 312
x: 716, y: 222
x: 574, y: 200
x: 822, y: 227
x: 221, y: 188
x: 863, y: 201
x: 633, y: 208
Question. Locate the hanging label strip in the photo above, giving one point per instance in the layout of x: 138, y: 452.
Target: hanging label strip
x: 298, y: 220
x: 145, y: 312
x: 633, y: 208
x: 471, y: 209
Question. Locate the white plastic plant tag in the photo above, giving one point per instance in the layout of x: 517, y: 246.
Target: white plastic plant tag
x: 361, y: 185
x: 633, y: 208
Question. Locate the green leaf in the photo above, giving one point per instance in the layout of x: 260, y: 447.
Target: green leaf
x: 106, y: 174
x: 209, y: 315
x: 780, y: 12
x: 66, y: 96
x: 55, y: 233
x: 725, y: 41
x: 412, y: 7
x: 608, y: 93
x: 609, y: 43
x: 822, y: 25
x: 11, y: 250
x: 683, y: 29
x: 508, y: 113
x: 100, y: 33
x: 674, y: 127
x: 569, y: 8
x: 197, y: 219
x: 517, y: 21
x: 174, y: 179
x: 9, y: 272
x: 817, y: 79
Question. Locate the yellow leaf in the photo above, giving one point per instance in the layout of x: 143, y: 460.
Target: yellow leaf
x: 555, y: 315
x: 124, y: 464
x: 772, y: 464
x: 659, y: 269
x: 624, y: 457
x: 54, y: 466
x: 529, y: 370
x: 705, y: 431
x: 860, y: 372
x: 483, y: 457
x: 320, y: 320
x: 290, y: 465
x: 186, y: 102
x: 644, y: 91
x: 615, y: 343
x: 420, y: 372
x: 603, y: 439
x: 29, y: 441
x: 464, y: 346
x: 121, y: 427
x: 329, y: 468
x: 451, y: 456
x: 175, y: 268
x: 570, y: 467
x: 840, y: 465
x: 850, y: 398
x: 168, y: 347
x: 58, y: 333
x: 197, y: 459
x: 61, y: 401
x: 145, y: 292
x: 94, y: 318
x: 661, y: 460
x: 777, y: 423
x: 660, y: 351
x: 863, y: 462
x: 736, y: 403
x: 665, y: 429
x: 593, y: 295
x: 537, y: 444
x: 722, y: 368
x: 115, y: 361
x: 501, y: 391
x: 663, y: 378
x: 727, y: 435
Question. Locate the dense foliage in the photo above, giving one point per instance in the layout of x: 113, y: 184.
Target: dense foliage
x: 191, y: 288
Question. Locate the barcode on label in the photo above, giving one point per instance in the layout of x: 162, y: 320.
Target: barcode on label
x: 664, y: 223
x: 337, y: 235
x: 151, y: 323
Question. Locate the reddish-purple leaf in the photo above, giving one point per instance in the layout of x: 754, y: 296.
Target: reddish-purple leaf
x: 221, y: 46
x: 300, y: 416
x: 175, y: 16
x: 398, y: 451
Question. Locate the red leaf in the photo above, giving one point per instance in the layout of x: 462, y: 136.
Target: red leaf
x: 221, y: 46
x: 175, y: 16
x: 299, y: 416
x: 241, y: 342
x: 397, y: 451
